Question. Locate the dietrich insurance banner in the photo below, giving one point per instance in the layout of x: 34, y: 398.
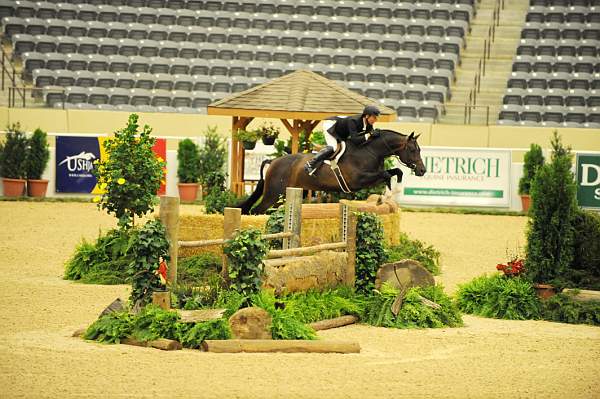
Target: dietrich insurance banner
x: 588, y: 181
x: 459, y: 177
x: 75, y: 158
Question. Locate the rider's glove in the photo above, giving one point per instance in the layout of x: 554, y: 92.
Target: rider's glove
x: 375, y: 133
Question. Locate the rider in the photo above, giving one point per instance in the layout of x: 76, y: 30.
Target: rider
x: 357, y: 128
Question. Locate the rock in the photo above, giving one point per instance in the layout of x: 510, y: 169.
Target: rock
x: 116, y: 306
x: 404, y: 274
x: 251, y: 323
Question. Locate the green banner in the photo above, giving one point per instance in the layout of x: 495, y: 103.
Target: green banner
x: 588, y: 180
x: 453, y: 192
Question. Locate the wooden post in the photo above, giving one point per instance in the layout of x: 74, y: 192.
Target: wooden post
x: 232, y: 221
x: 169, y: 216
x: 162, y: 299
x: 351, y: 245
x: 293, y: 216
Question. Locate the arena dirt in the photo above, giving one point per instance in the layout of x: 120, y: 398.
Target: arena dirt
x: 485, y: 359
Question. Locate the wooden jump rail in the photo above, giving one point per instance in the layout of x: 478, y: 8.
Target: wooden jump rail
x: 169, y: 215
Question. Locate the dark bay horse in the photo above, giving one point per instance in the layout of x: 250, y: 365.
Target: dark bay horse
x: 361, y: 166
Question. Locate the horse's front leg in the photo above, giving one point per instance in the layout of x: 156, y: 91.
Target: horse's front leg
x: 391, y: 173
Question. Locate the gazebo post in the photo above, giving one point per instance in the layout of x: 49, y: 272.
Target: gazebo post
x: 236, y: 170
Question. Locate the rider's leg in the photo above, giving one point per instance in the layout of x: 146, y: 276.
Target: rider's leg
x: 313, y: 164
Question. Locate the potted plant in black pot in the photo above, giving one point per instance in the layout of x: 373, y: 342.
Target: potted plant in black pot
x: 533, y: 160
x: 188, y: 170
x: 269, y: 133
x: 247, y: 137
x: 13, y: 161
x: 37, y: 159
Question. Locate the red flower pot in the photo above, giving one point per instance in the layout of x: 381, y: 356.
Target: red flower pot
x: 544, y: 291
x: 525, y: 202
x: 188, y: 191
x: 13, y: 187
x: 37, y: 188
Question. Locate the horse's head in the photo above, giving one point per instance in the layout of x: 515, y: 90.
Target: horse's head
x: 407, y: 149
x: 410, y: 155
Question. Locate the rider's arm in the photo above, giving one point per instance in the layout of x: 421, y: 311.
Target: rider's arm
x: 355, y: 136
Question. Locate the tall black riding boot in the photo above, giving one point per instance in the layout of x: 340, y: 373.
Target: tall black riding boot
x: 313, y: 164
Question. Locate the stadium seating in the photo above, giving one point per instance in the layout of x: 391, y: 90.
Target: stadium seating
x: 405, y: 50
x: 555, y: 79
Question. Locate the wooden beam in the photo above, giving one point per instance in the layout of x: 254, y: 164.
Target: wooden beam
x: 583, y: 295
x: 237, y: 155
x: 194, y: 316
x: 161, y: 343
x: 277, y: 253
x: 286, y: 346
x: 333, y: 323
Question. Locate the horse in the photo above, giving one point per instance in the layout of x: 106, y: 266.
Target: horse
x: 361, y: 167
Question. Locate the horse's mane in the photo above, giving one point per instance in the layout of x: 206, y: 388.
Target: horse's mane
x: 393, y: 131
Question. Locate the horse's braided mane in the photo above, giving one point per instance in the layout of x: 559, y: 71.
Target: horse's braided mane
x: 393, y: 131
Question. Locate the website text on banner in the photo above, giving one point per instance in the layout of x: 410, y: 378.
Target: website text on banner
x: 459, y: 177
x: 75, y: 158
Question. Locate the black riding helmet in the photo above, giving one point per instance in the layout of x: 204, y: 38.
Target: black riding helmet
x: 371, y: 110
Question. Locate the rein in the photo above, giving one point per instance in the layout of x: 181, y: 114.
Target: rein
x: 411, y: 166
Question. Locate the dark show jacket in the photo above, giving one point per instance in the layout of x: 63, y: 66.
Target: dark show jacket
x: 351, y: 128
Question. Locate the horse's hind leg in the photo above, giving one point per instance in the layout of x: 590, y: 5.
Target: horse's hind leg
x: 270, y: 197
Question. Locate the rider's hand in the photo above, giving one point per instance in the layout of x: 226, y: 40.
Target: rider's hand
x: 375, y: 133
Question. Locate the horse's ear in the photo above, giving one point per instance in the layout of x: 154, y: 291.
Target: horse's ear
x: 417, y: 136
x: 412, y: 136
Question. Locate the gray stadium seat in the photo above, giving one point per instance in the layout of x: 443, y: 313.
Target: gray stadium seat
x: 85, y: 78
x: 118, y: 63
x: 98, y: 95
x: 144, y: 81
x: 124, y: 80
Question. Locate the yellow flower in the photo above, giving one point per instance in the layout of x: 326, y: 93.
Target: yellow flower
x: 121, y: 181
x: 96, y: 199
x: 163, y: 182
x: 103, y: 186
x: 160, y: 159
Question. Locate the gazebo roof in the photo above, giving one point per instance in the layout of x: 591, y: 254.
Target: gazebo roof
x: 302, y: 95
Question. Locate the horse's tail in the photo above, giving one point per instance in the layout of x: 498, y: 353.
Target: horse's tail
x: 254, y: 197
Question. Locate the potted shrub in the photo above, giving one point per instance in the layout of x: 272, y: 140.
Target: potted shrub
x: 13, y: 161
x: 37, y: 159
x: 247, y: 137
x: 269, y: 133
x: 188, y: 170
x: 533, y: 160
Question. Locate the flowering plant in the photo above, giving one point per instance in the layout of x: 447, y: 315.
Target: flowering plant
x: 512, y: 268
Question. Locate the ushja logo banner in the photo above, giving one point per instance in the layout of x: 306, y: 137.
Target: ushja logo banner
x: 75, y: 158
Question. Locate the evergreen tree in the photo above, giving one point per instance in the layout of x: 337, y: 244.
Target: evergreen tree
x: 550, y: 236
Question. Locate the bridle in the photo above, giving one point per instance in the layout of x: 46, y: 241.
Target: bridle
x: 411, y: 166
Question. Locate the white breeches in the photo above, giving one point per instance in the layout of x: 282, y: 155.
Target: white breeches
x: 329, y: 139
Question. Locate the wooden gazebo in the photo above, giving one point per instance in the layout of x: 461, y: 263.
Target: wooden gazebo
x: 300, y: 100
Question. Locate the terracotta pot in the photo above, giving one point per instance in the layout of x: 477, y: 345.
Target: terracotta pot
x: 13, y: 187
x: 249, y: 145
x: 268, y: 140
x: 37, y: 188
x: 544, y: 291
x: 188, y: 191
x: 525, y: 202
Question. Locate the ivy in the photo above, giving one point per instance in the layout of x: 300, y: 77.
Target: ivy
x: 148, y: 247
x: 370, y: 253
x: 275, y: 224
x: 131, y: 175
x: 245, y: 253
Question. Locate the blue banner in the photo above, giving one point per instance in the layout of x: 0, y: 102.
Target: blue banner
x: 75, y: 158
